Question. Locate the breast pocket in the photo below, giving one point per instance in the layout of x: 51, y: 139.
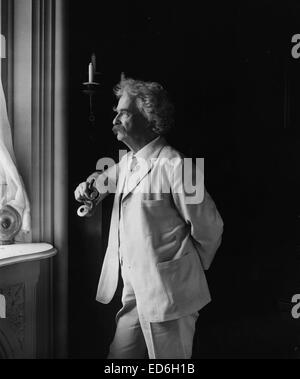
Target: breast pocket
x: 156, y: 199
x: 154, y: 203
x: 157, y: 216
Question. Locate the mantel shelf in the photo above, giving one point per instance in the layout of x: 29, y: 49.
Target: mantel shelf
x: 24, y: 252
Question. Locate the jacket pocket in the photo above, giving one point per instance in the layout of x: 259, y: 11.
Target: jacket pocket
x: 173, y: 262
x: 178, y: 278
x: 154, y: 203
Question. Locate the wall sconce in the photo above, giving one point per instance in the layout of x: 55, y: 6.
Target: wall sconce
x: 90, y: 88
x: 2, y: 46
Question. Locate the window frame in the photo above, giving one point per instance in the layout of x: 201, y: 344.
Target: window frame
x: 6, y: 8
x: 35, y: 85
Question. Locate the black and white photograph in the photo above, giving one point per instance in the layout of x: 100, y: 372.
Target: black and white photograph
x: 149, y: 181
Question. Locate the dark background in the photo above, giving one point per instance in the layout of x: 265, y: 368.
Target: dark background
x: 236, y: 88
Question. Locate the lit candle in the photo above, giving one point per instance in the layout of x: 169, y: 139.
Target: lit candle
x: 91, y: 73
x: 94, y: 62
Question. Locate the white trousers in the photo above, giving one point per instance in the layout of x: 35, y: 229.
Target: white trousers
x: 135, y: 337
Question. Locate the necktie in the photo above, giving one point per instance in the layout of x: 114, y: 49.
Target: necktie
x: 134, y: 164
x: 132, y: 169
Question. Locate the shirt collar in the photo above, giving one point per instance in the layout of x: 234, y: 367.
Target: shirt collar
x: 146, y: 152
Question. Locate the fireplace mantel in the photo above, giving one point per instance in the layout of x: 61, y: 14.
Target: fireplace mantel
x: 25, y: 252
x: 26, y: 286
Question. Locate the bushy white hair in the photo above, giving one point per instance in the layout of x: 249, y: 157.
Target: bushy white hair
x: 151, y: 99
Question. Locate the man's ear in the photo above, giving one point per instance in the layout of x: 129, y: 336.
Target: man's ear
x: 153, y: 127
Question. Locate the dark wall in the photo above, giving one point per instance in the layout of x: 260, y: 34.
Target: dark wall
x: 231, y: 76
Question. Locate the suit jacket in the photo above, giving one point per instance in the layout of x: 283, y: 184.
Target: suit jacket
x: 167, y: 240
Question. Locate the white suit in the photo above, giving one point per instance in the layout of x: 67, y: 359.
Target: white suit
x: 165, y: 240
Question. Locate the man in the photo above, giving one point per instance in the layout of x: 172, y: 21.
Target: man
x: 162, y: 235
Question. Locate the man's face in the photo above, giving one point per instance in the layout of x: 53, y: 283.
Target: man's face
x: 129, y: 123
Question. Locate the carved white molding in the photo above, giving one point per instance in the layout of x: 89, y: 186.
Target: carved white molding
x: 18, y: 332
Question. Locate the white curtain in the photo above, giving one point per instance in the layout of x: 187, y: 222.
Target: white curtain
x: 12, y: 191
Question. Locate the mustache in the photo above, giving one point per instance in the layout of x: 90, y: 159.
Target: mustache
x: 117, y: 128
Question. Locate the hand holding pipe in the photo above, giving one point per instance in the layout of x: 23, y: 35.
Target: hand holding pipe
x: 87, y: 208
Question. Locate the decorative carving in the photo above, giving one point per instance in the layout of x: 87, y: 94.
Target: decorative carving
x: 6, y: 348
x: 15, y: 310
